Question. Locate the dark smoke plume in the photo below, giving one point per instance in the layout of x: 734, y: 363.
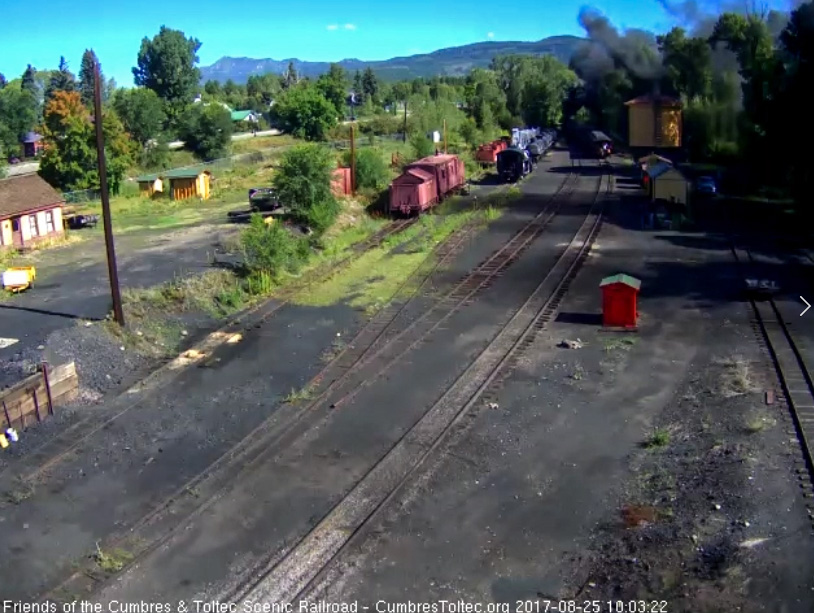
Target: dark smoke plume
x: 635, y: 49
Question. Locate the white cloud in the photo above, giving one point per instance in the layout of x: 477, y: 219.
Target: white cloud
x: 333, y: 26
x: 350, y: 26
x: 490, y: 35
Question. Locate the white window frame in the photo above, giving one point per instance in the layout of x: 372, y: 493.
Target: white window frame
x: 49, y: 222
x: 32, y: 225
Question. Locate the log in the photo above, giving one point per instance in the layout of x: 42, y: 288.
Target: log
x: 20, y: 401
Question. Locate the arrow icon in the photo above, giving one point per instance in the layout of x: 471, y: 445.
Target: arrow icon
x: 808, y: 306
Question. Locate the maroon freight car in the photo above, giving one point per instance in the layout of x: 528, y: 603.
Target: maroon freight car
x: 426, y: 182
x: 413, y: 192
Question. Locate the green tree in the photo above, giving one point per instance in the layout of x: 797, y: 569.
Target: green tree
x: 271, y: 249
x: 3, y: 81
x: 206, y: 130
x: 370, y: 85
x: 262, y: 90
x: 421, y: 145
x: 213, y: 88
x: 304, y: 112
x: 62, y: 80
x: 18, y: 115
x: 87, y: 77
x: 70, y: 161
x: 334, y: 86
x: 29, y: 83
x: 290, y: 76
x: 141, y: 112
x: 371, y: 169
x: 687, y: 62
x: 167, y: 65
x: 303, y: 184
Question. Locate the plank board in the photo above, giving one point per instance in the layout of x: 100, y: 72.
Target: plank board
x: 21, y: 408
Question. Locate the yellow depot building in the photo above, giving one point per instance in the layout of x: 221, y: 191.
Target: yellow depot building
x: 654, y: 122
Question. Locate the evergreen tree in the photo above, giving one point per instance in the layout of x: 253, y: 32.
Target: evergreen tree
x: 370, y: 85
x: 62, y: 80
x: 3, y: 81
x: 87, y: 77
x: 29, y: 83
x: 290, y: 78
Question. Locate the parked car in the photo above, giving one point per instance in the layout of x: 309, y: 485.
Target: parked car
x: 77, y: 222
x: 706, y: 186
x: 263, y: 199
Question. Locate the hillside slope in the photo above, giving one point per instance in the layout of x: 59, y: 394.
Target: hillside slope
x: 451, y: 61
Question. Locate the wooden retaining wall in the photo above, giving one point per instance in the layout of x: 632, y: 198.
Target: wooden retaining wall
x: 34, y: 398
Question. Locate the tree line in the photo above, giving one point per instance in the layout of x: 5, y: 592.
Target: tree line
x: 741, y: 77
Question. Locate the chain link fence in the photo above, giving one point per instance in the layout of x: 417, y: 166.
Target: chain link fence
x: 228, y: 163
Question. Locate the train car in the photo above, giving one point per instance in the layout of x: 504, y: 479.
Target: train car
x: 513, y: 164
x: 601, y: 144
x: 448, y: 171
x: 486, y: 154
x: 412, y: 192
x: 426, y: 182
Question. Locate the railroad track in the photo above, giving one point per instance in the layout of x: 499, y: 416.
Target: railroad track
x: 55, y: 450
x: 290, y: 421
x: 795, y: 378
x: 284, y: 576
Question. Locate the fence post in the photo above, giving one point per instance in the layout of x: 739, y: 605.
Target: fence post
x: 47, y: 387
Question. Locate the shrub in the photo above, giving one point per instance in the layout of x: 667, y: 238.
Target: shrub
x: 271, y: 249
x: 422, y: 145
x: 303, y: 184
x: 206, y: 130
x: 371, y: 169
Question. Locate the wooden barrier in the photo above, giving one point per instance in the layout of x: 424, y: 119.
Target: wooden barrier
x: 34, y: 398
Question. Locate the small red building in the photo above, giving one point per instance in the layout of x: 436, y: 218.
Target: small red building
x: 341, y: 182
x: 619, y: 301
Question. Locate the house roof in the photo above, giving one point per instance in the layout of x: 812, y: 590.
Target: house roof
x: 656, y: 170
x: 185, y: 173
x: 662, y: 100
x: 623, y: 279
x: 31, y: 137
x: 146, y: 178
x: 655, y: 158
x: 241, y: 115
x: 19, y: 195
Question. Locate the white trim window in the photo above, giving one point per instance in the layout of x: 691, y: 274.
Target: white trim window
x: 32, y: 225
x: 49, y: 222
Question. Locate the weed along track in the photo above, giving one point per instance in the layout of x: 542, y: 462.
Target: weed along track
x: 290, y: 422
x: 76, y: 436
x: 288, y: 573
x: 792, y: 371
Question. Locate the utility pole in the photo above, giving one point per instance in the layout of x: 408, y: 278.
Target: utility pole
x: 352, y: 162
x: 405, y: 121
x: 445, y: 136
x: 118, y: 312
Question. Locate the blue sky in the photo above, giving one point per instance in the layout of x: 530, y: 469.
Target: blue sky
x: 318, y: 30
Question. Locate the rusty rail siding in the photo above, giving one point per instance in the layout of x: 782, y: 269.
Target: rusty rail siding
x: 790, y: 366
x: 186, y: 502
x: 285, y: 575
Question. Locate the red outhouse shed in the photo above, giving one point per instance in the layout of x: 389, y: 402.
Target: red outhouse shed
x: 619, y: 301
x: 341, y: 182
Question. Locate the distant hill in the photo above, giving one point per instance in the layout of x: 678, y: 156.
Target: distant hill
x: 452, y: 61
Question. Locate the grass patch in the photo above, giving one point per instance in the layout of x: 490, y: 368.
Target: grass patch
x: 371, y: 280
x: 737, y: 377
x: 20, y: 494
x: 658, y: 439
x: 301, y: 395
x: 620, y: 344
x: 111, y: 561
x: 758, y: 424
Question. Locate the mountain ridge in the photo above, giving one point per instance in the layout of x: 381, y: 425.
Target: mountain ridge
x: 449, y: 61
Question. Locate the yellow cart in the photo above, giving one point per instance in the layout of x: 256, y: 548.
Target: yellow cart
x: 19, y: 279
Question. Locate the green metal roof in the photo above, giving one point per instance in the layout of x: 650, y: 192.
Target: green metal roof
x: 241, y: 115
x: 184, y: 173
x: 146, y: 178
x: 621, y: 278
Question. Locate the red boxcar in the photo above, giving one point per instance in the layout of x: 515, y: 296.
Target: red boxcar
x: 413, y: 192
x: 341, y: 182
x: 448, y: 171
x: 487, y: 154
